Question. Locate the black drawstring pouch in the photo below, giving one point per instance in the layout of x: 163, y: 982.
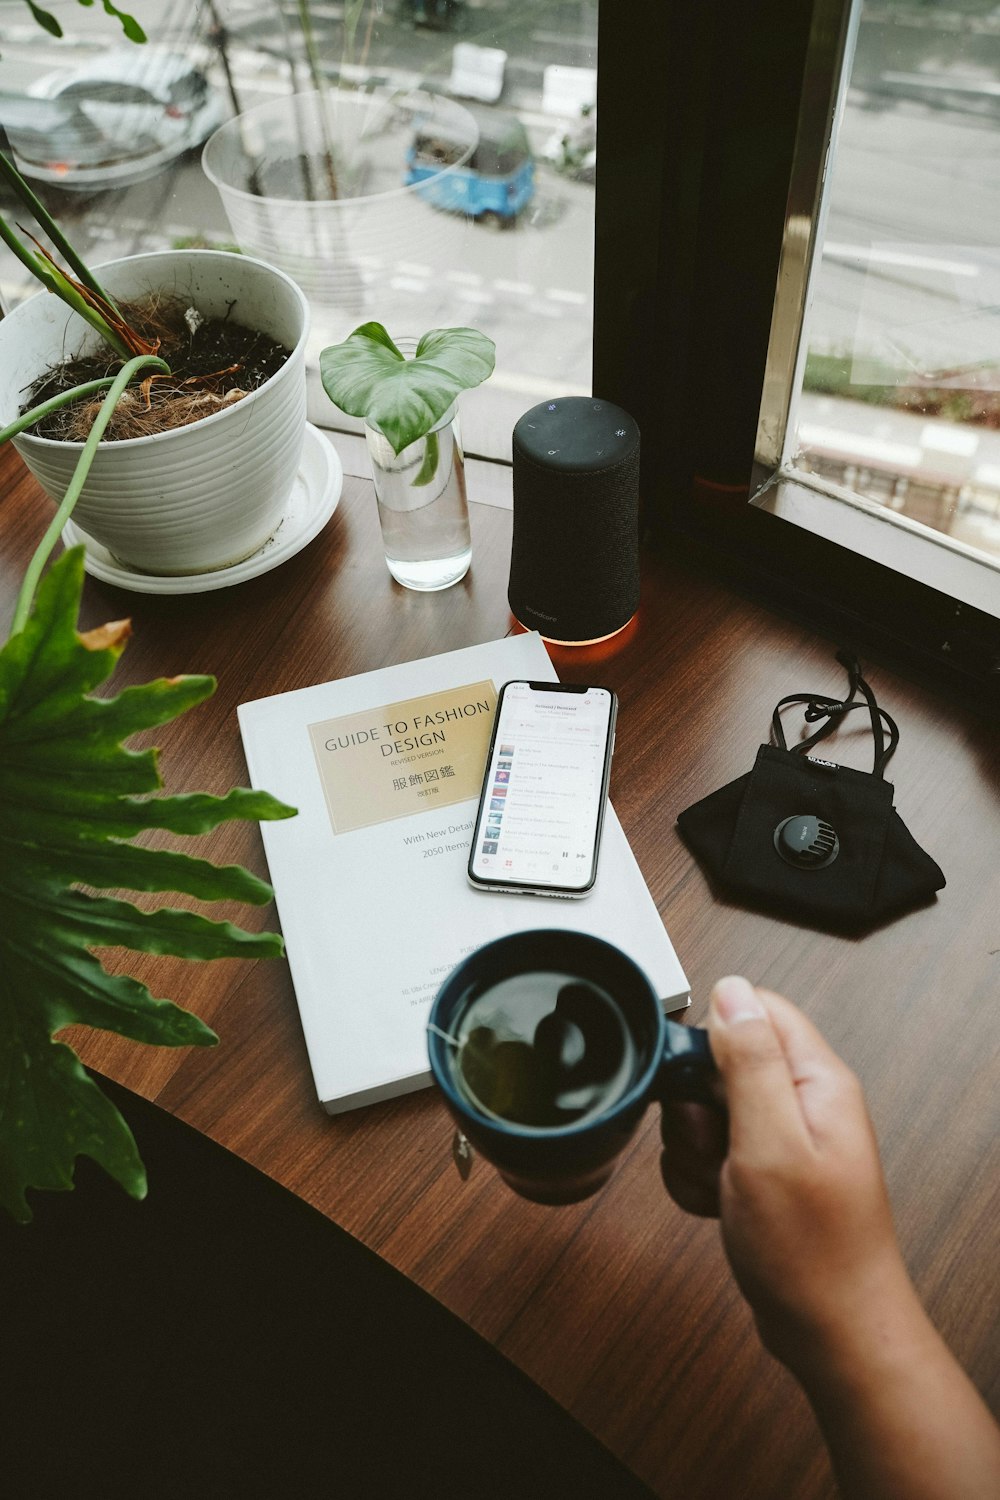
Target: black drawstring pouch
x: 803, y: 837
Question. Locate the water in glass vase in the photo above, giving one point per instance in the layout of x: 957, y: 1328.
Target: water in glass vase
x: 422, y: 506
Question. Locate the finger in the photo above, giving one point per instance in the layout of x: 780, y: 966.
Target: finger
x: 697, y: 1132
x: 764, y: 1110
x: 804, y: 1044
x: 822, y: 1079
x: 695, y: 1141
x: 694, y: 1196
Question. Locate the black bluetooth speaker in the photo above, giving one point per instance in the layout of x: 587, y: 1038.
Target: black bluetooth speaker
x: 574, y: 567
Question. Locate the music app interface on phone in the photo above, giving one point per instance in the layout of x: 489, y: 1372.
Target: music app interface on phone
x: 543, y: 795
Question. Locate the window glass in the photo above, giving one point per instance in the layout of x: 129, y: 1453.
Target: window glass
x: 900, y: 385
x: 505, y: 245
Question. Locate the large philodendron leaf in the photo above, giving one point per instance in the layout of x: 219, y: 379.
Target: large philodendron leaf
x: 71, y: 796
x: 368, y: 377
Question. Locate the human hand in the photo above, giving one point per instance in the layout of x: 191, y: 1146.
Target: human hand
x: 796, y: 1180
x: 797, y: 1183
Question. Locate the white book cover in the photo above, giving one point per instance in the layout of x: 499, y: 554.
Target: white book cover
x: 370, y: 878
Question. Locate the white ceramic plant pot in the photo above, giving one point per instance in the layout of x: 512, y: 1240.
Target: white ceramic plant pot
x: 198, y: 497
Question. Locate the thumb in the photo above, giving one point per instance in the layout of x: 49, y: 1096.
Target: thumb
x: 764, y: 1110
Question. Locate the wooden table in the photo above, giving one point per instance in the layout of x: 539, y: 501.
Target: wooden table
x: 621, y: 1307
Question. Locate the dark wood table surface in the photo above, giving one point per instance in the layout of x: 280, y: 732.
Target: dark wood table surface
x: 621, y: 1307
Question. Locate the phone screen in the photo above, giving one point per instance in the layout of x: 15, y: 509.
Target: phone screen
x: 546, y: 784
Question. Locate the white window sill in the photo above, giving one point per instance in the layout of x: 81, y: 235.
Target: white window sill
x: 886, y: 537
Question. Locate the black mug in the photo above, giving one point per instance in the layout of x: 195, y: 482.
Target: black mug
x: 548, y: 1047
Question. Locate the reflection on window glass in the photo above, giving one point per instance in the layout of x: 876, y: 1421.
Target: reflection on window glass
x: 901, y: 389
x: 425, y: 232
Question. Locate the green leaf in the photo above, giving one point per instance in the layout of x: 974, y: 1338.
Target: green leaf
x: 67, y: 812
x: 130, y: 25
x: 368, y: 377
x: 50, y: 1084
x: 110, y: 864
x: 45, y: 19
x: 191, y: 813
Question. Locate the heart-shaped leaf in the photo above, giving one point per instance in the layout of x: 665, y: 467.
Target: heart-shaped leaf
x: 368, y: 377
x: 71, y: 795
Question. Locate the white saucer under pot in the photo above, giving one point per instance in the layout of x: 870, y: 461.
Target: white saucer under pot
x: 311, y: 502
x: 199, y: 497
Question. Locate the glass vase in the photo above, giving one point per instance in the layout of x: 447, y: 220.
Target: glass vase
x: 422, y: 505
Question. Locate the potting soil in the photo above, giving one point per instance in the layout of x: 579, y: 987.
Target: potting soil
x: 213, y: 362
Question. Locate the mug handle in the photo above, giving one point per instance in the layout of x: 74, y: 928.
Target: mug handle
x: 687, y: 1069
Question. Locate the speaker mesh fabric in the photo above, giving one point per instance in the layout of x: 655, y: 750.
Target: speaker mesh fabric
x: 574, y: 572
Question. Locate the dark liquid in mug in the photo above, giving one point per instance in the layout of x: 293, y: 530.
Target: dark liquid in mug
x: 543, y: 1049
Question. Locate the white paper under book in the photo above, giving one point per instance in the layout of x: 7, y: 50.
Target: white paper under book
x: 370, y: 879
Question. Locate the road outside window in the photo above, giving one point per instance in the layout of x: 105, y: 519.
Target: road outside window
x: 111, y: 135
x: 900, y: 399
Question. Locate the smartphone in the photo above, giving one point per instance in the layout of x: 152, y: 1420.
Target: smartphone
x: 541, y: 810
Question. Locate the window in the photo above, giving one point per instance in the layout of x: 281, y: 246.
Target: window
x: 881, y: 395
x: 662, y: 280
x: 707, y: 228
x: 510, y: 251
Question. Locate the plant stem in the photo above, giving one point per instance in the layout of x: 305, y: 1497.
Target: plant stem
x: 309, y: 41
x: 352, y: 15
x: 322, y: 98
x: 429, y: 466
x: 219, y: 36
x: 54, y: 281
x: 25, y: 598
x: 55, y: 234
x: 45, y: 408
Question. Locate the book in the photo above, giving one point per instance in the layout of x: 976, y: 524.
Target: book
x: 370, y: 879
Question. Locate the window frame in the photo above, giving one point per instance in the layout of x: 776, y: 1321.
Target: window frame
x: 699, y: 111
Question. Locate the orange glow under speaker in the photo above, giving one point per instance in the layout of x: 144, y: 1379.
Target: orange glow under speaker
x: 574, y: 566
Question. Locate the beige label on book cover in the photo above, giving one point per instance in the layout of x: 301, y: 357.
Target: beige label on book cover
x: 404, y: 758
